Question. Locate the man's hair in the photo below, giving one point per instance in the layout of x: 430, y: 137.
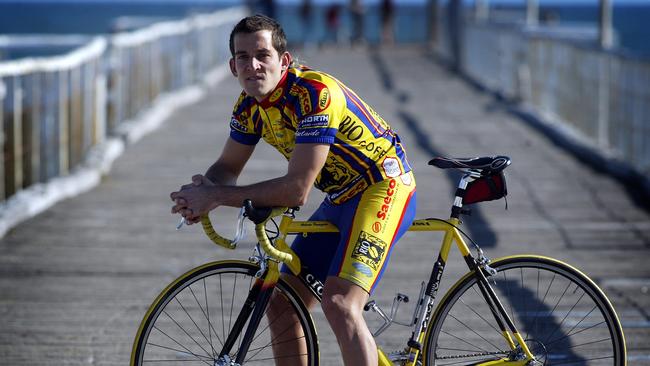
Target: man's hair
x: 257, y: 23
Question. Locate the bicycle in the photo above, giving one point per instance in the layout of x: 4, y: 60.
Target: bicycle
x: 517, y: 310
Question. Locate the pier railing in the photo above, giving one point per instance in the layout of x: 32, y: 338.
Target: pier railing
x: 54, y: 110
x: 598, y: 97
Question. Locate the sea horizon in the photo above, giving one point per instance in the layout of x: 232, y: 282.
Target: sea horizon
x: 96, y: 17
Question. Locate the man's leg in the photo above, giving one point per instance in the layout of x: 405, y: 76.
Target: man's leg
x: 289, y: 347
x: 343, y: 304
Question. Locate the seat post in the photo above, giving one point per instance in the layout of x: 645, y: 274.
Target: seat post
x: 456, y: 208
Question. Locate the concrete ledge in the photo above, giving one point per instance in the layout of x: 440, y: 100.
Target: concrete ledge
x: 636, y: 184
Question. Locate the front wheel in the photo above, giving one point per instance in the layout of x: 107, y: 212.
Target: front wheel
x: 191, y: 319
x: 563, y: 317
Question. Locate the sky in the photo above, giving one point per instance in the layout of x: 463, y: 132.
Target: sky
x: 541, y: 2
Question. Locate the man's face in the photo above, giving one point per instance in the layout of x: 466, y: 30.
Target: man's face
x: 256, y: 63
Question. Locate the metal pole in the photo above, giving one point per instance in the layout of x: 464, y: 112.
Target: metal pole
x: 17, y: 129
x: 481, y: 10
x: 605, y: 34
x: 532, y: 13
x: 3, y: 140
x: 433, y: 22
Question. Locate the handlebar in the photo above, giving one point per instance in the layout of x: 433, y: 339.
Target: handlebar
x: 259, y: 216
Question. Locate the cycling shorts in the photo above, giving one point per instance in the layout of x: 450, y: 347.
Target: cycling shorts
x: 369, y: 225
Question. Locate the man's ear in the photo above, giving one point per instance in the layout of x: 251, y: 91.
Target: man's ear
x: 286, y: 60
x: 233, y: 70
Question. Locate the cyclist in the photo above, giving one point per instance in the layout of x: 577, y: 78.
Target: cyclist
x: 332, y: 140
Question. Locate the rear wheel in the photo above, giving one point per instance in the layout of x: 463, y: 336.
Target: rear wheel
x: 190, y: 321
x: 564, y: 318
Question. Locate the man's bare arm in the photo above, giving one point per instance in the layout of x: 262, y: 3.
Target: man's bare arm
x: 292, y: 189
x: 227, y: 168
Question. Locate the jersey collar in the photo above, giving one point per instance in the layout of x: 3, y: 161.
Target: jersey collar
x: 275, y: 95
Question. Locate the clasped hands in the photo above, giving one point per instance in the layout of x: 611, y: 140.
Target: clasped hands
x: 194, y: 200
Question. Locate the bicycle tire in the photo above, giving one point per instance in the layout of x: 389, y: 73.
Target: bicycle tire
x: 190, y: 320
x: 561, y: 314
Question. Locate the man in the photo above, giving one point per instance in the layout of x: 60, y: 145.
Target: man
x: 331, y: 139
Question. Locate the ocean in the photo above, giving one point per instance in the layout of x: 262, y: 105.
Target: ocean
x: 101, y: 17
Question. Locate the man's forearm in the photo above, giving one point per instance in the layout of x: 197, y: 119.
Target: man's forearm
x: 275, y: 192
x: 219, y: 175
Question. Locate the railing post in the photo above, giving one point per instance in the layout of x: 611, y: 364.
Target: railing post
x: 3, y: 141
x: 532, y: 13
x: 75, y: 128
x: 32, y: 124
x: 88, y: 106
x: 63, y: 140
x: 17, y: 135
x: 481, y: 10
x: 100, y: 115
x: 603, y: 101
x: 49, y: 153
x: 605, y: 24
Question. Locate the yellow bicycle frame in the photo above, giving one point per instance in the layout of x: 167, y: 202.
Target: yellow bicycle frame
x: 282, y: 252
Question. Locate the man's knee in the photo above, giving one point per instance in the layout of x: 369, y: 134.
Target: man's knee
x: 342, y: 300
x: 336, y: 306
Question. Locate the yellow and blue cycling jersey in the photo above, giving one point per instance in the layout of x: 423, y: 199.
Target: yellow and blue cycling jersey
x: 309, y: 106
x: 368, y: 180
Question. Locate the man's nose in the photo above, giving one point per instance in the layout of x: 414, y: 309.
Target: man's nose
x: 254, y: 64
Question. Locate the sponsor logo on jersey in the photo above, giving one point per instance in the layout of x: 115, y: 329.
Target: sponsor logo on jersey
x: 303, y: 98
x: 357, y: 185
x: 236, y: 125
x: 315, y: 121
x: 391, y: 167
x: 369, y: 250
x: 373, y: 148
x: 406, y: 179
x: 388, y: 200
x: 324, y: 99
x: 311, y: 133
x: 376, y: 227
x: 352, y: 129
x: 362, y: 268
x: 276, y: 95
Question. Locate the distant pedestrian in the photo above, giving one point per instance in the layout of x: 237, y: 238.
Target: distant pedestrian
x: 332, y: 20
x: 267, y: 7
x: 454, y: 33
x: 357, y: 13
x: 306, y: 19
x: 387, y: 16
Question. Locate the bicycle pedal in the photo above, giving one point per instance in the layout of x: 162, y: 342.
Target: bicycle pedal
x: 370, y: 305
x: 402, y: 297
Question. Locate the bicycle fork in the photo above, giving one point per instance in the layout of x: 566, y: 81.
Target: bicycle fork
x: 254, y: 308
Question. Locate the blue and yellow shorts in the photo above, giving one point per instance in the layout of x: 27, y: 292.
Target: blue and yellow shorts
x: 369, y: 225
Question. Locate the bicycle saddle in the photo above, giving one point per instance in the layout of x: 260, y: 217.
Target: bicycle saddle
x: 487, y: 164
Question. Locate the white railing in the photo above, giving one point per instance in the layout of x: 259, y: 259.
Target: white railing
x: 54, y: 110
x: 600, y: 98
x: 50, y: 113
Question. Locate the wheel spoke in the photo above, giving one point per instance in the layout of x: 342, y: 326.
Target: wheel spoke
x: 183, y: 320
x: 200, y: 357
x: 207, y: 315
x: 471, y: 308
x: 566, y: 318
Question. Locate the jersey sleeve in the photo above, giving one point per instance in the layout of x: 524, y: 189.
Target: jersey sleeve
x: 242, y: 126
x: 318, y: 111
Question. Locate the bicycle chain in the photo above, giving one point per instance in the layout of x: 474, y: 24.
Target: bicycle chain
x: 470, y: 355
